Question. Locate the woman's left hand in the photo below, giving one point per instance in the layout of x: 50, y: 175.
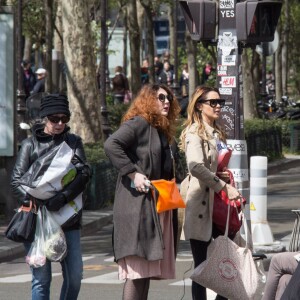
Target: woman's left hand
x: 224, y: 176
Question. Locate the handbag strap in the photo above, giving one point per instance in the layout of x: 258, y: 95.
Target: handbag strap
x: 247, y: 231
x: 173, y: 161
x: 31, y: 207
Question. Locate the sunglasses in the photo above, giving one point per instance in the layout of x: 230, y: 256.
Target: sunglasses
x: 56, y: 119
x: 162, y: 98
x: 214, y: 102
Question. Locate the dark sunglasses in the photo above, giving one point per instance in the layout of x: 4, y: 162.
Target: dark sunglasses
x: 56, y: 119
x: 162, y: 98
x: 214, y: 102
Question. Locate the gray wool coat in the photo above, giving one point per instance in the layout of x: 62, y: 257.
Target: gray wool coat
x: 135, y: 146
x: 199, y: 187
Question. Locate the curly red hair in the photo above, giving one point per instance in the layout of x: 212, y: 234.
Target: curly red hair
x: 145, y: 105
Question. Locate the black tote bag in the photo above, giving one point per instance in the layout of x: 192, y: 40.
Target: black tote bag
x: 21, y: 228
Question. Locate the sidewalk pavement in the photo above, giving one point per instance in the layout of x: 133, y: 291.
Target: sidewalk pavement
x: 95, y: 220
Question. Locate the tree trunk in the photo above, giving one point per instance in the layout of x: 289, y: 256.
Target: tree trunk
x: 285, y: 41
x: 60, y: 76
x: 134, y: 42
x: 149, y: 37
x: 249, y: 99
x: 191, y: 49
x: 256, y: 72
x: 27, y: 48
x: 81, y: 70
x: 125, y: 62
x: 49, y: 44
x: 278, y: 67
x: 172, y: 31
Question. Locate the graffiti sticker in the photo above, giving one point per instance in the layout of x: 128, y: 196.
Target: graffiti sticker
x: 227, y: 43
x: 227, y: 4
x: 222, y: 70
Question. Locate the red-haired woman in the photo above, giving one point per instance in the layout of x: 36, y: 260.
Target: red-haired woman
x: 141, y: 149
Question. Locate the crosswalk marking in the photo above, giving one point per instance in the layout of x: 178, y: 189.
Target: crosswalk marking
x: 109, y: 278
x: 21, y: 278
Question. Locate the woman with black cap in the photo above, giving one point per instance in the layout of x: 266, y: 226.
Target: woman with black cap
x: 53, y: 131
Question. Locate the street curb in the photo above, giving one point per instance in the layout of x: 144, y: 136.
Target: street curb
x: 93, y: 222
x: 12, y: 252
x: 283, y: 164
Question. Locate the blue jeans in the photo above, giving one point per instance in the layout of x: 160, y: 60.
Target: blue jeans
x: 72, y: 269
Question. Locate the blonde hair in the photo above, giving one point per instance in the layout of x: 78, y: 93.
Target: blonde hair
x: 195, y: 116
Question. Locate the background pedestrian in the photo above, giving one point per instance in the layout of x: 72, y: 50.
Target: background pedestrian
x: 39, y: 86
x: 120, y: 86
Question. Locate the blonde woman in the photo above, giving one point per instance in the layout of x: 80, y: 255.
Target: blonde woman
x: 202, y: 139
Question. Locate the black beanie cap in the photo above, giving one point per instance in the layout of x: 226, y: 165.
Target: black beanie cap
x: 54, y: 104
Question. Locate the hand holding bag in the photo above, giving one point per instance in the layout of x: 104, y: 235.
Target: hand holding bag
x: 221, y: 202
x: 22, y: 226
x: 229, y: 269
x: 167, y: 193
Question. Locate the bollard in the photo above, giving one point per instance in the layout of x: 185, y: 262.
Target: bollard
x: 261, y: 231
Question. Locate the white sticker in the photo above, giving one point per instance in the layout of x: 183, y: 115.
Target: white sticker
x: 239, y: 147
x: 222, y: 70
x: 228, y: 81
x: 240, y: 175
x: 227, y: 4
x: 227, y: 42
x: 225, y: 91
x: 229, y: 60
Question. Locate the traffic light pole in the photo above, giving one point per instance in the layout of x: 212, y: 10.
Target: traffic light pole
x: 230, y: 85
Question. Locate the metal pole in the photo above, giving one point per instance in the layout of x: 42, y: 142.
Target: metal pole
x: 175, y: 85
x: 103, y: 75
x: 230, y: 84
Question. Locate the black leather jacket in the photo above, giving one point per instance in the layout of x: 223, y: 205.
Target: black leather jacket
x: 37, y: 145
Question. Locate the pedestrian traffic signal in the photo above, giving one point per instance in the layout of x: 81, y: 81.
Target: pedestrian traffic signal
x: 256, y: 20
x: 200, y: 18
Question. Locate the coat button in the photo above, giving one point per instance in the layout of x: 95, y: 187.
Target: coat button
x: 203, y: 202
x: 207, y: 189
x: 200, y: 216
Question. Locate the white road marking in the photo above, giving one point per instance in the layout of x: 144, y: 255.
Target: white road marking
x: 20, y: 278
x: 109, y: 278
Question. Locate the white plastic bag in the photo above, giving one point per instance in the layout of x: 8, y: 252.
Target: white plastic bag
x: 36, y: 256
x: 55, y: 240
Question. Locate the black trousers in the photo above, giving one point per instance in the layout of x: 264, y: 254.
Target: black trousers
x: 199, y: 252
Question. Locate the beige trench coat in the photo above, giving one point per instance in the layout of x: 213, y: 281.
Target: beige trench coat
x: 199, y: 187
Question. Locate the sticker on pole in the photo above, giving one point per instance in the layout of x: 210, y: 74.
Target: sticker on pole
x: 252, y: 207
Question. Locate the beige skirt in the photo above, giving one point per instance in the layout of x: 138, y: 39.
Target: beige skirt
x: 135, y: 267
